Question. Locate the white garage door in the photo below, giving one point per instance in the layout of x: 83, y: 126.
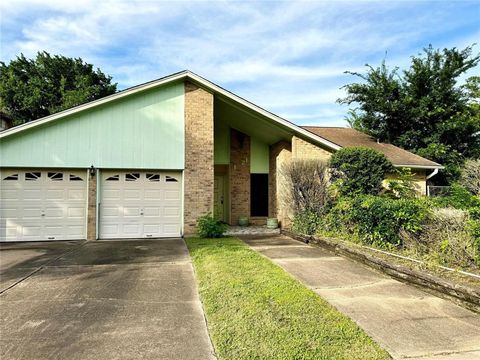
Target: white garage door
x: 140, y: 204
x: 42, y: 205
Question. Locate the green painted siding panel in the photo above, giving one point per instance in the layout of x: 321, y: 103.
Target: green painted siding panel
x: 221, y: 143
x: 143, y: 131
x: 259, y: 156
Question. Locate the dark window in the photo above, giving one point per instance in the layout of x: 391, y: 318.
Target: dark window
x: 54, y: 176
x: 11, y: 177
x: 170, y: 179
x: 258, y: 194
x: 33, y: 176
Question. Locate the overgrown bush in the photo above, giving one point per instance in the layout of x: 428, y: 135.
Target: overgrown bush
x: 306, y: 222
x: 459, y: 198
x: 359, y: 170
x: 377, y: 219
x: 306, y: 185
x: 209, y: 227
x: 470, y: 176
x: 447, y: 239
x: 403, y: 185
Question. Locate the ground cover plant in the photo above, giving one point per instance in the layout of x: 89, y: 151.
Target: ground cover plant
x: 255, y: 310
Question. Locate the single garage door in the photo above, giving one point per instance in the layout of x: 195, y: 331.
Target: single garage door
x: 42, y: 205
x: 140, y: 204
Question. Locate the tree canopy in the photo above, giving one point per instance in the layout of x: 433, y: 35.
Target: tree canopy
x: 34, y: 88
x: 423, y: 109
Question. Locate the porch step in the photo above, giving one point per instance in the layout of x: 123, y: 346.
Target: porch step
x: 251, y: 230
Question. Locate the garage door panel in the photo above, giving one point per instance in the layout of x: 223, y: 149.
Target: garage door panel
x: 34, y: 193
x: 146, y: 202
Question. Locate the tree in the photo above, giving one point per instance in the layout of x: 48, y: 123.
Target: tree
x: 422, y: 108
x: 359, y: 170
x: 34, y: 88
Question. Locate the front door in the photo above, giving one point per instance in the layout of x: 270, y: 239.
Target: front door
x: 219, y: 197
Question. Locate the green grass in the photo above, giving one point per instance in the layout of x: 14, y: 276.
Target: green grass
x: 255, y: 310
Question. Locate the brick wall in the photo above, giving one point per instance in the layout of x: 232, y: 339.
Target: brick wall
x: 239, y: 175
x: 198, y: 174
x: 302, y: 149
x: 92, y: 208
x: 280, y: 153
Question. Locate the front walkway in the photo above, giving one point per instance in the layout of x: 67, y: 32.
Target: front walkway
x: 133, y: 299
x: 404, y: 320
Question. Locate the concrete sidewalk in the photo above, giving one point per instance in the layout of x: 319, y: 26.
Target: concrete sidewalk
x: 404, y: 320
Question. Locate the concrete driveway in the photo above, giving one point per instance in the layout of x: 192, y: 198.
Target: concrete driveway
x: 100, y: 300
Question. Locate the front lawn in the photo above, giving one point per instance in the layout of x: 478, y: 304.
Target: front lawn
x: 255, y: 310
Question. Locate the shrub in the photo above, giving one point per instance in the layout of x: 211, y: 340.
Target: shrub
x: 470, y: 176
x: 306, y: 185
x: 458, y: 198
x: 377, y: 219
x: 306, y: 222
x: 359, y: 170
x: 209, y: 227
x: 403, y: 185
x: 447, y: 238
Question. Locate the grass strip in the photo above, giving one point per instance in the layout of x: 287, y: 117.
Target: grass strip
x: 255, y: 310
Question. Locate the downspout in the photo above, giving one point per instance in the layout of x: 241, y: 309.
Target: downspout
x: 434, y: 172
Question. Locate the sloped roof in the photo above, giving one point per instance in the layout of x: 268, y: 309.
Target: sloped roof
x: 180, y: 76
x: 347, y: 137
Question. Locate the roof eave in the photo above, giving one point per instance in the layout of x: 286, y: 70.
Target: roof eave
x: 183, y: 75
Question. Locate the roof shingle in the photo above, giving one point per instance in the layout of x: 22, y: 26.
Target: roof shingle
x: 347, y: 137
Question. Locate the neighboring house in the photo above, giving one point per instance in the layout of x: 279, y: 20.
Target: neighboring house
x: 147, y: 162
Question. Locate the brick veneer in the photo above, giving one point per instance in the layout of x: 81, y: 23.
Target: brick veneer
x: 198, y: 173
x: 239, y: 175
x: 280, y: 153
x: 92, y: 208
x: 302, y: 149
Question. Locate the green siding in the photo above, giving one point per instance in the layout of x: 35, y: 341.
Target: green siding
x: 221, y: 143
x: 143, y: 131
x: 259, y: 156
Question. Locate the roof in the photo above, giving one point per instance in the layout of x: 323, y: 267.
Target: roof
x: 347, y: 137
x: 180, y: 76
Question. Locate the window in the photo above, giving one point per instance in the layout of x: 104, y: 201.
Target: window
x: 170, y: 179
x: 132, y: 176
x: 11, y: 177
x: 75, y: 178
x: 259, y: 194
x: 113, y: 178
x: 54, y: 176
x: 33, y: 176
x: 153, y: 177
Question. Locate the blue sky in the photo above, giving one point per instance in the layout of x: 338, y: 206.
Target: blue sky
x: 288, y: 57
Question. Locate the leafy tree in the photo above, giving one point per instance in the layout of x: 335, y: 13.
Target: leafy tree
x: 34, y: 88
x: 359, y: 170
x: 422, y: 109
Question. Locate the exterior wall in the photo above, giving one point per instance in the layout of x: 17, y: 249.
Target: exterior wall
x: 419, y: 179
x: 239, y: 175
x: 259, y: 156
x: 221, y: 143
x: 199, y: 158
x: 302, y: 149
x: 92, y: 208
x: 141, y: 131
x: 280, y: 154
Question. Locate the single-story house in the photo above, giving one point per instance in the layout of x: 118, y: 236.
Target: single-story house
x: 146, y: 162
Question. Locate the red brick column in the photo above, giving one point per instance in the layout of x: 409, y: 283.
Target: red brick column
x: 280, y: 153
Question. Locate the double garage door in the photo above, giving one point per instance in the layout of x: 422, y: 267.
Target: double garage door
x: 52, y: 205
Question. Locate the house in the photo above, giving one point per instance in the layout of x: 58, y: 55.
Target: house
x: 148, y: 161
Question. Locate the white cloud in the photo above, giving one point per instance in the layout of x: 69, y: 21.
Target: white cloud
x: 286, y: 56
